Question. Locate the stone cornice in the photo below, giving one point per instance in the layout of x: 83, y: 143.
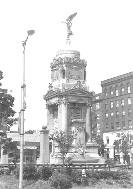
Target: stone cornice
x: 117, y: 79
x: 77, y: 90
x: 68, y: 61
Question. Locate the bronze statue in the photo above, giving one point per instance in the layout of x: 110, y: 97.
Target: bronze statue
x: 69, y: 25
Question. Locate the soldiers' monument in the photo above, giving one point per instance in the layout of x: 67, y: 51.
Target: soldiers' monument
x: 68, y: 99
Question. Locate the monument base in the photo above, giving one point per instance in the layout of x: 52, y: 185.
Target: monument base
x: 88, y: 155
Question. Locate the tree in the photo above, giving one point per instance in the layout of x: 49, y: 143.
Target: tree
x: 6, y: 119
x: 122, y: 144
x: 6, y: 107
x: 64, y: 142
x: 9, y: 147
x: 101, y: 145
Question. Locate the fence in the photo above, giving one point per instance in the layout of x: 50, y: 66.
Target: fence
x: 75, y: 166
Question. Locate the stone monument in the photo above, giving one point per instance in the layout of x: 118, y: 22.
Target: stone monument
x: 68, y: 99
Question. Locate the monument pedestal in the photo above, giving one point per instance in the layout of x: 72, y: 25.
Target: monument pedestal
x: 91, y: 153
x: 91, y: 147
x: 87, y: 155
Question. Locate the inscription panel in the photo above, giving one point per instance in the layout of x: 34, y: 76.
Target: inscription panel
x: 75, y: 113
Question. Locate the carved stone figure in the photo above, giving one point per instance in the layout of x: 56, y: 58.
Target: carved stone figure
x: 69, y: 25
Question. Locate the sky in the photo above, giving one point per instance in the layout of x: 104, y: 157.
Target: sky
x: 103, y: 33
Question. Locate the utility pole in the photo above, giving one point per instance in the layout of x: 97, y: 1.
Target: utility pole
x: 23, y: 107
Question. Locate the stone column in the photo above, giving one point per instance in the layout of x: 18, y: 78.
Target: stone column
x: 88, y: 122
x: 4, y: 158
x: 44, y: 146
x: 62, y: 115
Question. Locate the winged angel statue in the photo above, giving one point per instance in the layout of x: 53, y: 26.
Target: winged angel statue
x: 69, y: 25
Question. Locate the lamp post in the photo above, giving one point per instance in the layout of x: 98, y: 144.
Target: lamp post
x: 23, y: 107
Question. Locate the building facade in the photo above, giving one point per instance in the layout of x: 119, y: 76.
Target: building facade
x: 114, y: 113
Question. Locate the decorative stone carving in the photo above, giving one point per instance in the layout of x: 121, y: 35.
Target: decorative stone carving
x: 50, y: 87
x: 62, y: 101
x: 79, y: 85
x: 68, y: 60
x: 75, y: 74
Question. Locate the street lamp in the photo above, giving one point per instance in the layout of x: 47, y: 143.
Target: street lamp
x: 23, y: 107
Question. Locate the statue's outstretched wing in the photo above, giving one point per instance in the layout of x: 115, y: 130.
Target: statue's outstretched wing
x: 71, y: 17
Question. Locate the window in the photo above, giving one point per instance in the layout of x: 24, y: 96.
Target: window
x: 98, y: 126
x: 106, y: 106
x: 129, y: 112
x: 105, y: 92
x: 111, y: 104
x: 97, y: 106
x: 111, y: 90
x: 117, y: 114
x: 129, y: 100
x: 107, y: 126
x: 123, y: 113
x: 128, y: 88
x: 117, y: 103
x: 84, y: 74
x: 106, y: 115
x: 98, y: 116
x: 112, y: 114
x: 107, y: 139
x: 123, y: 124
x: 117, y: 125
x: 122, y: 102
x: 129, y: 124
x: 122, y: 89
x: 116, y: 92
x: 112, y: 125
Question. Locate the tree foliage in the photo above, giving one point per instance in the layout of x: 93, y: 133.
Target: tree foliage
x: 122, y: 144
x: 6, y: 119
x: 6, y: 107
x: 64, y: 141
x: 9, y: 146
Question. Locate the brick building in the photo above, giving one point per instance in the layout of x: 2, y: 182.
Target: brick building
x: 117, y: 105
x: 114, y: 110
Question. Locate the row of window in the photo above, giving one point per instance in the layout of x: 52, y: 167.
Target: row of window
x: 116, y: 104
x: 117, y: 113
x: 117, y: 91
x: 117, y: 124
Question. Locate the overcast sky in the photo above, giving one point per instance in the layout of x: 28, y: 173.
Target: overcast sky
x: 103, y: 33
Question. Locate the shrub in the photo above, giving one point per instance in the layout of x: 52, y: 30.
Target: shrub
x: 68, y: 170
x: 76, y: 176
x: 110, y: 176
x: 5, y: 171
x: 60, y: 181
x: 1, y: 171
x: 44, y: 173
x: 16, y: 172
x: 29, y: 172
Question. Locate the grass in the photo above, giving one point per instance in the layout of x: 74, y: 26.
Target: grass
x: 10, y: 182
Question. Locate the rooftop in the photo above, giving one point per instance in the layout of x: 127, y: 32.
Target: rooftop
x: 35, y: 137
x: 117, y: 79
